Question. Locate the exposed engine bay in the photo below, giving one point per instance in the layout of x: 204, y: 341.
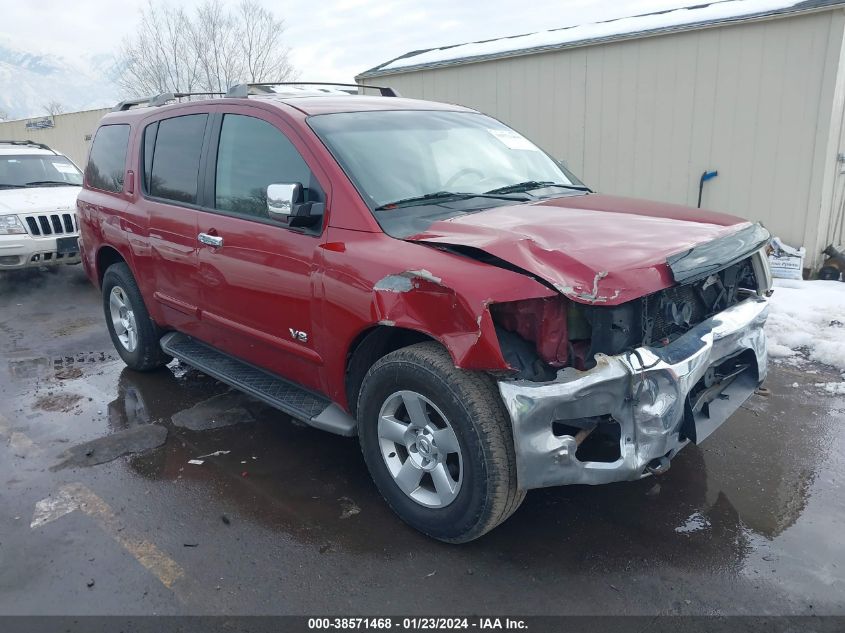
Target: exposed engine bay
x: 540, y: 336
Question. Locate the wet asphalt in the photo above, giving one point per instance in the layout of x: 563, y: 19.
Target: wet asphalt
x: 283, y: 519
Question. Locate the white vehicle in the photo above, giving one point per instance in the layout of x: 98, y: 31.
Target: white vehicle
x: 38, y: 189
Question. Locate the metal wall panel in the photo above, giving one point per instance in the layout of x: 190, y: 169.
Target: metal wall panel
x: 66, y: 136
x: 645, y: 117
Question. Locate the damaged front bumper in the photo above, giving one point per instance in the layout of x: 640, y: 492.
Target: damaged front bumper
x: 659, y: 397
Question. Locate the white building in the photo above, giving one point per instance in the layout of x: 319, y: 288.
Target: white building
x: 643, y: 106
x: 68, y: 133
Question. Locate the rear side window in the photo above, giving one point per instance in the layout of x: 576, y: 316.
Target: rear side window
x: 253, y: 154
x: 174, y: 169
x: 149, y: 144
x: 107, y: 160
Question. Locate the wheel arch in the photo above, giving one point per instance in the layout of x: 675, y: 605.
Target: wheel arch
x: 369, y: 346
x: 107, y: 256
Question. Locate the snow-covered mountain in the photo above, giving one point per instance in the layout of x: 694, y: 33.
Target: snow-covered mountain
x: 30, y: 80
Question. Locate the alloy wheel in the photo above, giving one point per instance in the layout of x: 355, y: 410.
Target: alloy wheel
x: 420, y: 449
x: 123, y: 319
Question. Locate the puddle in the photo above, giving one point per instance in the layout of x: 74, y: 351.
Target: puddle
x: 65, y: 367
x: 80, y: 358
x: 223, y: 410
x: 137, y: 439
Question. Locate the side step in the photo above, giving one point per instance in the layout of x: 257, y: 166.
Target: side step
x: 298, y: 402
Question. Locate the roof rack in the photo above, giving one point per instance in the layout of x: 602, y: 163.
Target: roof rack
x: 155, y: 101
x: 25, y: 143
x: 244, y: 90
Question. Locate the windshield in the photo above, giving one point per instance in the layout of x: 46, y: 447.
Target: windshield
x: 412, y: 164
x: 37, y: 170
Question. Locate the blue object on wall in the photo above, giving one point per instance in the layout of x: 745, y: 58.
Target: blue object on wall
x: 707, y: 175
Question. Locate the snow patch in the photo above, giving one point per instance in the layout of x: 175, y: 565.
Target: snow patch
x: 836, y: 388
x: 807, y: 320
x: 694, y: 523
x: 585, y: 32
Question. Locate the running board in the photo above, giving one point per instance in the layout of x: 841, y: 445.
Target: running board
x: 298, y: 402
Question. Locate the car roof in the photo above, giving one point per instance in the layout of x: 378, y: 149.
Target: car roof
x: 7, y: 149
x: 307, y: 104
x: 358, y: 103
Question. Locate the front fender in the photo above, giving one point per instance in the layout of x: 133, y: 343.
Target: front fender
x: 419, y: 300
x: 371, y: 279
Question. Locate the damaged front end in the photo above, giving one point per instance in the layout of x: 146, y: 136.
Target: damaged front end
x: 642, y: 405
x: 611, y: 393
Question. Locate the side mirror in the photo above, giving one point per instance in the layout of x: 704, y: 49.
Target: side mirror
x: 284, y: 205
x: 280, y: 200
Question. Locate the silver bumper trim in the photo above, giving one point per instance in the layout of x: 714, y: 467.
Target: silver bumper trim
x: 644, y: 391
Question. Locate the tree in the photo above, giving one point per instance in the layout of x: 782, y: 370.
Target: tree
x: 214, y: 36
x: 53, y: 107
x: 4, y: 116
x: 206, y: 51
x: 158, y: 58
x: 261, y: 46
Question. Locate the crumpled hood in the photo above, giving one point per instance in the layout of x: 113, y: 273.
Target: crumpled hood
x: 593, y: 248
x: 38, y: 199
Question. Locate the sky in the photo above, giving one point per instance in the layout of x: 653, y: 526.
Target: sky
x: 330, y: 40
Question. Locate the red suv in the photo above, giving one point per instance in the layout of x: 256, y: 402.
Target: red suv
x: 422, y: 276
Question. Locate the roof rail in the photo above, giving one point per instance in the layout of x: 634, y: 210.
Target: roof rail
x: 244, y: 90
x: 155, y: 101
x: 33, y: 143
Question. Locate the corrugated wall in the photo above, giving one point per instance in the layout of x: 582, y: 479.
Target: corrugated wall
x: 645, y: 117
x: 66, y: 136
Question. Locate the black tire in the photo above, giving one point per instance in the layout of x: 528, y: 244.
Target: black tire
x: 489, y: 493
x: 146, y: 355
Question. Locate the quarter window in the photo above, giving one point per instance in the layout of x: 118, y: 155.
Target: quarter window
x: 174, y: 170
x: 253, y: 154
x: 107, y: 160
x: 149, y: 144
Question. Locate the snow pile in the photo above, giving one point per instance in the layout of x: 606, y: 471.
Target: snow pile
x: 836, y: 388
x: 729, y: 9
x: 807, y: 319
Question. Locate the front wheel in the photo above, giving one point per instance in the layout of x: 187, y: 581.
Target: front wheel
x: 438, y: 444
x: 134, y: 334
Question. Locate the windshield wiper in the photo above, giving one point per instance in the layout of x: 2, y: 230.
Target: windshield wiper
x: 64, y: 183
x: 6, y: 185
x: 528, y: 185
x: 444, y: 196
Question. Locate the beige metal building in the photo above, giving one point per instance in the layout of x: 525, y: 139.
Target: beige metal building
x: 753, y: 89
x: 68, y: 133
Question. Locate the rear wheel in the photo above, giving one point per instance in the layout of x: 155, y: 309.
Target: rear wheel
x: 438, y: 444
x: 133, y: 333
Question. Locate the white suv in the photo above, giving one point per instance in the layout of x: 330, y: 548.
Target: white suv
x: 38, y: 188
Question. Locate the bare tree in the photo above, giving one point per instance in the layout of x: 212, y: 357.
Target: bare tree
x: 4, y: 116
x: 53, y: 107
x: 208, y: 51
x: 214, y: 38
x: 261, y: 45
x: 160, y: 57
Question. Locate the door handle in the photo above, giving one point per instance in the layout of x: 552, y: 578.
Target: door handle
x: 214, y: 241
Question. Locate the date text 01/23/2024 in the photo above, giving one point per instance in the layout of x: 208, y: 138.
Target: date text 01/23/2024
x: 416, y: 623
